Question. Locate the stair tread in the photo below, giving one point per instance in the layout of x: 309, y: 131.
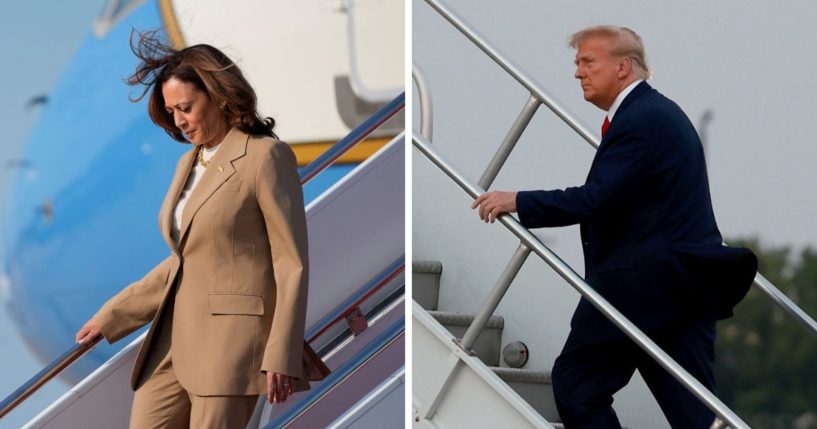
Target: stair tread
x: 461, y: 319
x: 429, y: 267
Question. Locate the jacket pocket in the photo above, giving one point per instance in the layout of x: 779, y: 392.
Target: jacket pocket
x: 231, y: 303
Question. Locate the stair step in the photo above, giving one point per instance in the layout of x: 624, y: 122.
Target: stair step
x: 487, y: 347
x: 534, y: 387
x: 426, y: 283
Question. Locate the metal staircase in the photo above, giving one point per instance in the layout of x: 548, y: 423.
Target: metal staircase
x: 531, y: 385
x: 355, y: 318
x: 453, y: 387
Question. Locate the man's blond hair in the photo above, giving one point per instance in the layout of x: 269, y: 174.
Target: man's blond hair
x: 623, y: 43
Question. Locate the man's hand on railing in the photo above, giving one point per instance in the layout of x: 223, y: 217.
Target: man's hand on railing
x: 492, y: 204
x: 88, y: 332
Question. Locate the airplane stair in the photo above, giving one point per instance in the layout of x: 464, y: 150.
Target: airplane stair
x: 518, y: 395
x: 373, y: 410
x: 355, y: 316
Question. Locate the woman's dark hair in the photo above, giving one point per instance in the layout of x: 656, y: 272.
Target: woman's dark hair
x: 203, y: 66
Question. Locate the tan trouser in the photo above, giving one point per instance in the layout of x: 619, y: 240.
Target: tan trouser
x: 161, y: 402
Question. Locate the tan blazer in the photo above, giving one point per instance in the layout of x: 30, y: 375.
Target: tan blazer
x: 239, y: 271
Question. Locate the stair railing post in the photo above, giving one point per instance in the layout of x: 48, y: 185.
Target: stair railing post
x: 501, y: 286
x: 501, y: 155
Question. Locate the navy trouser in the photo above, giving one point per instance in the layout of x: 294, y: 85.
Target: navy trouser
x: 586, y: 375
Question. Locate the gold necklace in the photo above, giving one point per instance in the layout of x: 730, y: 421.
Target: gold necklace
x: 201, y: 157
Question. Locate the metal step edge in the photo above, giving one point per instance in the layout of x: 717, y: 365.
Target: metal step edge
x: 522, y: 375
x: 459, y: 319
x: 429, y: 267
x: 557, y: 425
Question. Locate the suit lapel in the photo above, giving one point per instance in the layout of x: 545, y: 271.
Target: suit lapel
x: 635, y: 93
x: 233, y: 146
x: 176, y: 186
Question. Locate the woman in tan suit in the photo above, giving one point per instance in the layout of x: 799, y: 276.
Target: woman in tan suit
x: 229, y: 304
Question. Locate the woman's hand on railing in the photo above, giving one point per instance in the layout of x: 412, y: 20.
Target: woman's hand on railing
x: 279, y: 387
x: 88, y: 332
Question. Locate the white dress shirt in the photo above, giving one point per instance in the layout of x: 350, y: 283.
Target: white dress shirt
x: 621, y: 96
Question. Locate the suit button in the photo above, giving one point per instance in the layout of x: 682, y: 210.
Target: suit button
x: 585, y: 243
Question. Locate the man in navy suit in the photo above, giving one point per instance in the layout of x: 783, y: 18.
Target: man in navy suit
x: 651, y: 244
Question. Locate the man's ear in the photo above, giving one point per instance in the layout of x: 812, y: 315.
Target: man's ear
x: 625, y: 67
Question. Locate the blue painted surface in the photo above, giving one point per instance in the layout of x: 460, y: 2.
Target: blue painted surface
x: 104, y: 168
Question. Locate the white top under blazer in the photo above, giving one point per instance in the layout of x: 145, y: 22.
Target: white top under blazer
x: 192, y: 180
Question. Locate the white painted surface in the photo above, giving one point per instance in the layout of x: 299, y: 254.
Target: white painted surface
x: 291, y: 52
x: 374, y: 24
x: 356, y: 228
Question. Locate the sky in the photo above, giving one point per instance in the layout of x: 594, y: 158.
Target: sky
x: 37, y: 40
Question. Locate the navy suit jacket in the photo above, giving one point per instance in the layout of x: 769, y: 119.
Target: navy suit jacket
x: 651, y: 244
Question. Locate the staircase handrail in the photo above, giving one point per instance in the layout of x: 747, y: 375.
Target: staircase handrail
x: 530, y: 242
x: 383, y: 340
x: 539, y: 95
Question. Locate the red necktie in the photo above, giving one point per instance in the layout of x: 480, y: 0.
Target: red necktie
x: 604, y: 127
